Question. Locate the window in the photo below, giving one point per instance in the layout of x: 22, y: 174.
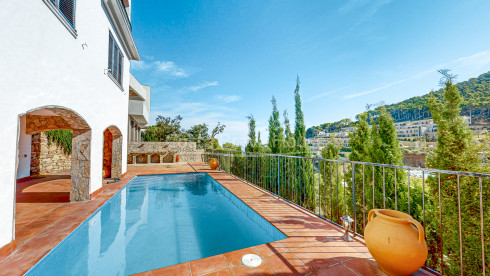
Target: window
x: 67, y: 9
x: 115, y: 65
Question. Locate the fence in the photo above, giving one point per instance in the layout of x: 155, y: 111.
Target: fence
x: 452, y: 206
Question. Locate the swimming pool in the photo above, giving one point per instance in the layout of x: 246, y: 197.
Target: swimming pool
x: 157, y: 221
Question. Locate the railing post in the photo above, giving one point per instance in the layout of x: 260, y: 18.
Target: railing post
x: 279, y: 175
x: 354, y: 196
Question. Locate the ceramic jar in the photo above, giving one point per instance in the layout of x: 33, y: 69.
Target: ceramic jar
x: 213, y: 163
x: 396, y: 241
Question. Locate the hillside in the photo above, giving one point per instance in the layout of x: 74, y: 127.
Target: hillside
x: 475, y: 91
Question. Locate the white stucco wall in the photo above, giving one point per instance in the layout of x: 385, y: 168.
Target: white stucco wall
x: 43, y: 64
x: 24, y: 153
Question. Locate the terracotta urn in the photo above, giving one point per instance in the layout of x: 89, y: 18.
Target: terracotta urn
x: 213, y: 163
x: 106, y: 172
x: 177, y: 158
x: 396, y: 241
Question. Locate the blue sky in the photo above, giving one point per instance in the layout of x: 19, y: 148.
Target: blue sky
x: 213, y: 61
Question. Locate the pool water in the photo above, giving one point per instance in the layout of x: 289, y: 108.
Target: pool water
x: 158, y: 221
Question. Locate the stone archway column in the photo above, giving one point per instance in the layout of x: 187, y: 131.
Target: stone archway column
x: 116, y: 169
x: 80, y: 166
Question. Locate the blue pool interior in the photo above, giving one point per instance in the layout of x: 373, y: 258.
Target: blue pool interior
x: 157, y: 221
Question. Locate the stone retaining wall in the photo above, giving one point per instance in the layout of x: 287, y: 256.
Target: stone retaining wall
x: 46, y: 157
x: 162, y: 152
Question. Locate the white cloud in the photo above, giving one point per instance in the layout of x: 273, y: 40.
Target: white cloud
x: 170, y: 68
x: 228, y: 98
x: 203, y: 85
x: 166, y: 67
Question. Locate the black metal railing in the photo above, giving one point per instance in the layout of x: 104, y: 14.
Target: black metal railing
x: 452, y: 205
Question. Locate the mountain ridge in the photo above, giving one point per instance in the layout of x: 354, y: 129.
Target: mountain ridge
x: 476, y: 103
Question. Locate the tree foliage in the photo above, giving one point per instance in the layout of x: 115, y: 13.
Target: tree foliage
x: 168, y: 129
x: 252, y: 141
x: 276, y: 132
x: 455, y: 151
x: 290, y: 144
x: 302, y: 148
x: 230, y: 146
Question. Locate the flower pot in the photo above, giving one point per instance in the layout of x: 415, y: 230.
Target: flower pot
x: 396, y: 241
x: 213, y: 163
x: 177, y: 158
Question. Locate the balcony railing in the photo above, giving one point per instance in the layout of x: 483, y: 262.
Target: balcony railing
x: 452, y: 206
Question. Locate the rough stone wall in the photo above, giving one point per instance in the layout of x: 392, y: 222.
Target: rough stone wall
x: 140, y: 151
x: 80, y: 166
x: 107, y: 155
x: 116, y: 171
x: 47, y: 158
x: 37, y: 123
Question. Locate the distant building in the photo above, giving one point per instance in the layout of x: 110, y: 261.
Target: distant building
x: 317, y: 143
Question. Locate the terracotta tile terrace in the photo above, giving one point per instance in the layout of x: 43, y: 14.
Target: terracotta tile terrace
x: 44, y: 217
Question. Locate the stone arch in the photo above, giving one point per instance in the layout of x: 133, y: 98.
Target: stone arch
x: 46, y: 118
x: 112, y: 152
x: 155, y: 158
x: 141, y: 159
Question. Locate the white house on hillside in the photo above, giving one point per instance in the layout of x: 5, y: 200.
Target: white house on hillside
x: 64, y: 65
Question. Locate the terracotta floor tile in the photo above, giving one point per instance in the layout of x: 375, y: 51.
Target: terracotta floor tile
x: 298, y: 242
x: 269, y: 249
x: 183, y: 269
x: 340, y: 250
x: 224, y: 272
x: 263, y: 269
x: 338, y: 269
x: 359, y: 247
x: 235, y: 257
x: 287, y: 264
x: 208, y: 265
x: 364, y: 267
x: 315, y: 258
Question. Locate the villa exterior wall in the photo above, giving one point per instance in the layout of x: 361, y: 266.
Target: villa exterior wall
x: 43, y: 64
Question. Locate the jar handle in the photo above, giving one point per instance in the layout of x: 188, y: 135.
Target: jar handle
x: 370, y: 215
x: 420, y: 228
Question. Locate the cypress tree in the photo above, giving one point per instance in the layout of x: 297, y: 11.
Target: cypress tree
x: 360, y: 140
x: 385, y: 149
x: 306, y: 182
x: 276, y: 132
x: 251, y: 134
x: 290, y: 142
x: 258, y: 145
x: 302, y: 148
x: 456, y: 151
x: 330, y: 151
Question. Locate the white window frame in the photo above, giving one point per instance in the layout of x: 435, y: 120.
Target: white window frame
x: 113, y: 65
x: 54, y: 8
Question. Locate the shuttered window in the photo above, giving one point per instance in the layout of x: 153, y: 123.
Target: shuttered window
x: 67, y: 9
x: 115, y: 60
